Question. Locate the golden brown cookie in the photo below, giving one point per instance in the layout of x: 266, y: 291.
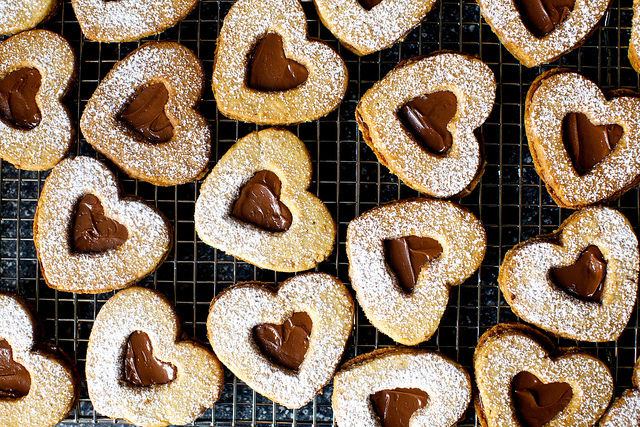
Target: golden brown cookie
x: 580, y: 282
x: 37, y: 69
x: 625, y: 410
x: 523, y: 379
x: 397, y: 387
x: 38, y: 385
x: 268, y: 71
x: 284, y: 343
x: 144, y: 115
x: 20, y: 15
x: 141, y: 368
x: 90, y: 239
x: 420, y: 121
x: 255, y: 205
x: 585, y: 147
x: 634, y: 43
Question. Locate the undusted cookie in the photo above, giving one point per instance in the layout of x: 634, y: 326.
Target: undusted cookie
x: 20, y: 15
x: 37, y: 68
x: 144, y: 115
x: 625, y: 410
x: 90, y: 239
x: 141, y: 368
x: 38, y: 386
x: 420, y: 121
x: 634, y: 43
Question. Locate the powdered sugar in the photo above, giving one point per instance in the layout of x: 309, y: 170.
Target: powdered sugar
x: 20, y: 15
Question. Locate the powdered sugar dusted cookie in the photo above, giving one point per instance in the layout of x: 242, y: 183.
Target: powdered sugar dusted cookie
x: 140, y: 368
x: 397, y: 387
x: 255, y: 205
x: 404, y: 257
x: 420, y: 120
x: 144, y: 116
x: 90, y: 239
x: 580, y: 282
x: 523, y: 379
x: 584, y: 146
x: 268, y: 71
x: 284, y: 343
x: 20, y: 15
x: 38, y: 386
x: 625, y: 410
x: 37, y: 68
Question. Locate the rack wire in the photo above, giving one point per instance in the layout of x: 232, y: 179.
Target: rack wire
x: 510, y: 200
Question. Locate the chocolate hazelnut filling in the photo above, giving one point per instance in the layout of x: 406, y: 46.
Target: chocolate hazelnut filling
x: 145, y: 113
x: 406, y: 256
x: 395, y: 407
x: 92, y: 230
x: 585, y: 277
x: 18, y: 92
x: 543, y: 16
x: 270, y: 70
x: 285, y: 344
x: 537, y: 403
x: 369, y: 4
x: 15, y: 380
x: 141, y: 367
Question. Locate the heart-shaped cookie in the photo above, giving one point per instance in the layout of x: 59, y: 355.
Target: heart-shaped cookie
x: 37, y: 68
x: 400, y: 387
x: 420, y: 121
x: 20, y: 15
x: 143, y: 115
x: 625, y: 410
x: 38, y: 387
x: 538, y: 32
x: 255, y: 205
x: 91, y: 240
x: 140, y: 368
x: 523, y: 380
x: 259, y: 85
x: 128, y: 20
x: 611, y: 164
x: 403, y: 286
x: 579, y: 283
x: 316, y: 308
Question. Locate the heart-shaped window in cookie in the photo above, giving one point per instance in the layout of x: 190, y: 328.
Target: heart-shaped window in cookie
x: 285, y: 344
x: 15, y: 380
x: 93, y: 231
x: 18, y: 98
x: 395, y: 407
x: 537, y: 403
x: 146, y: 116
x: 542, y: 16
x: 369, y: 4
x: 141, y: 367
x: 406, y: 256
x: 270, y: 70
x: 585, y: 277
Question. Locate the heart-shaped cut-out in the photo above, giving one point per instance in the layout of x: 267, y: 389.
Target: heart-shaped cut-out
x: 400, y: 387
x: 536, y: 403
x: 625, y: 410
x: 585, y: 277
x: 15, y: 380
x: 92, y: 230
x: 529, y: 284
x: 271, y: 70
x: 18, y: 91
x: 198, y: 373
x: 406, y: 255
x: 309, y: 238
x: 542, y: 16
x: 508, y: 349
x: 427, y: 117
x: 246, y: 24
x: 553, y: 96
x: 148, y: 232
x: 138, y: 149
x: 128, y: 20
x: 285, y: 344
x: 141, y: 366
x: 235, y: 313
x: 25, y: 14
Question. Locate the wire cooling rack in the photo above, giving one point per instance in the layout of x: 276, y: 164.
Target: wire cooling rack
x: 510, y: 199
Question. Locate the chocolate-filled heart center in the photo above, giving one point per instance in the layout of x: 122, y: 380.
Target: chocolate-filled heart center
x: 585, y: 277
x: 285, y: 344
x: 586, y: 143
x: 259, y: 203
x: 537, y: 403
x: 270, y: 70
x: 406, y: 256
x: 15, y: 380
x: 92, y: 230
x: 145, y: 113
x: 141, y: 367
x: 18, y: 92
x: 369, y: 4
x: 426, y: 117
x: 395, y: 407
x: 543, y: 16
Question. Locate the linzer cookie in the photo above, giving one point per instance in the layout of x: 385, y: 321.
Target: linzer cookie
x: 38, y: 386
x: 625, y: 410
x: 144, y: 115
x: 128, y: 20
x: 90, y: 239
x: 255, y: 205
x: 541, y: 31
x: 420, y: 121
x: 285, y: 343
x: 20, y: 15
x: 37, y: 68
x: 398, y: 387
x: 142, y: 369
x: 404, y: 257
x: 584, y: 146
x: 523, y: 380
x: 580, y: 282
x: 268, y: 71
x: 634, y: 43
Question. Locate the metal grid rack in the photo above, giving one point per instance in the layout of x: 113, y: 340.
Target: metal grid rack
x: 510, y: 199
